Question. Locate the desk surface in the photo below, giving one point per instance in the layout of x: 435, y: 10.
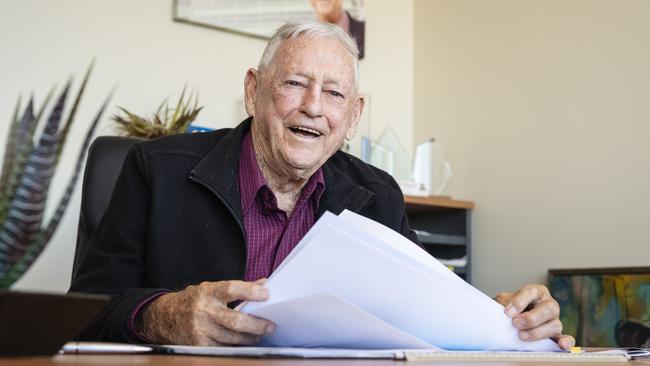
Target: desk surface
x: 438, y: 201
x: 169, y: 360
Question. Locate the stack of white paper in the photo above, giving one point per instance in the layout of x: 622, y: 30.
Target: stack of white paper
x: 354, y: 283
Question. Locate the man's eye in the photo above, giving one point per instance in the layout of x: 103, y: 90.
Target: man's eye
x: 293, y: 83
x: 334, y: 93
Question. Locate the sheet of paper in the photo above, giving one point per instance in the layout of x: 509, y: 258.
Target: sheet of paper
x: 394, y: 244
x: 416, y: 302
x: 324, y: 320
x: 282, y: 352
x: 400, y: 247
x: 327, y: 218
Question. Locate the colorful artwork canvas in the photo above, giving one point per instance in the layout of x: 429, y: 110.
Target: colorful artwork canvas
x: 594, y: 301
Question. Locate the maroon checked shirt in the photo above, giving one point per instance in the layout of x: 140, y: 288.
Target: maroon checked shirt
x: 270, y: 233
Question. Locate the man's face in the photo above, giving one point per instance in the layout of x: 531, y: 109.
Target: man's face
x: 325, y: 9
x: 304, y: 104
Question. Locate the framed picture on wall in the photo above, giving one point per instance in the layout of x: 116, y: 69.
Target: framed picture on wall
x: 260, y: 18
x: 604, y: 307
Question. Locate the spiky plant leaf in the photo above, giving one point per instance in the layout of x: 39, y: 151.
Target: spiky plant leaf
x: 22, y: 235
x: 8, y: 159
x: 22, y: 146
x: 52, y: 225
x: 23, y: 143
x: 165, y: 104
x: 25, y: 213
x: 162, y: 122
x: 41, y: 110
x: 73, y: 111
x: 179, y: 106
x: 44, y: 236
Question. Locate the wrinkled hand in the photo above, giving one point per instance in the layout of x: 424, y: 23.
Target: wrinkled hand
x: 536, y: 314
x: 199, y: 315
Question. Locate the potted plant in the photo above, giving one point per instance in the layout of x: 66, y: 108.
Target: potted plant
x: 28, y: 166
x: 165, y: 121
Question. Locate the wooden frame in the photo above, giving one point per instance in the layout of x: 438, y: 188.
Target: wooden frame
x: 257, y: 20
x: 595, y: 302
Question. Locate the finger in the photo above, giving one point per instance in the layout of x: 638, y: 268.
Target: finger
x: 546, y: 330
x: 530, y: 294
x: 566, y: 342
x: 503, y: 298
x: 223, y: 336
x: 205, y: 341
x: 239, y: 322
x: 228, y: 291
x: 261, y: 281
x: 542, y: 313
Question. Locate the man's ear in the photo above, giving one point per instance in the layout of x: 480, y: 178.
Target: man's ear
x: 358, y: 109
x: 250, y: 90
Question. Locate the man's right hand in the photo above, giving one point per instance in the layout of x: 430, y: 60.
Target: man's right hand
x: 199, y: 315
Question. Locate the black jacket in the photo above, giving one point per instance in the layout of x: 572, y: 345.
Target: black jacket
x: 175, y: 219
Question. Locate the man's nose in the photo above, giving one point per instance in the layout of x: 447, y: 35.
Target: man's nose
x: 312, y: 101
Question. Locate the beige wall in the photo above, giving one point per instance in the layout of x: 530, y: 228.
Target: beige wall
x: 150, y: 58
x: 542, y: 109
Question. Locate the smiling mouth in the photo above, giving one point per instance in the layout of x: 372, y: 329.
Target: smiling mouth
x: 305, y: 132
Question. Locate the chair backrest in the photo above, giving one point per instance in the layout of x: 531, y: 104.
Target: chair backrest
x: 105, y: 159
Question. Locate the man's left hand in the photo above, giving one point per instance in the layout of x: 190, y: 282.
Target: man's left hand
x: 536, y: 314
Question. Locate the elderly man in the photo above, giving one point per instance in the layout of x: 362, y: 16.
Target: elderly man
x: 196, y: 222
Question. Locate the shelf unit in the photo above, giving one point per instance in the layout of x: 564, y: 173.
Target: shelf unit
x: 443, y: 226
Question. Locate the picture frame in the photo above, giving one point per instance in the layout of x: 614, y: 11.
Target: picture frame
x: 259, y: 19
x: 597, y: 305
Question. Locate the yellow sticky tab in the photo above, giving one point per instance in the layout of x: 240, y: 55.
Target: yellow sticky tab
x: 576, y: 350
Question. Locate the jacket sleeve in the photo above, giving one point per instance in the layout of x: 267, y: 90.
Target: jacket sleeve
x: 115, y: 260
x: 404, y: 227
x: 388, y: 207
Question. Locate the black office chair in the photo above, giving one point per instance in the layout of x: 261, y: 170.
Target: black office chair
x: 105, y: 158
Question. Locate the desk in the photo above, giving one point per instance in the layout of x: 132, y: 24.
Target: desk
x: 169, y: 360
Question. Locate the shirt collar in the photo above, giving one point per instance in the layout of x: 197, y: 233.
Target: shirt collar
x: 250, y: 174
x: 251, y: 179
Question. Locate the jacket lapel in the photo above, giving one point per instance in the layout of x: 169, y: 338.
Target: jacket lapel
x: 218, y: 170
x: 341, y: 192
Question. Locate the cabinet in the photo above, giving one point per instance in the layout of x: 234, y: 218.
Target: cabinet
x: 443, y: 226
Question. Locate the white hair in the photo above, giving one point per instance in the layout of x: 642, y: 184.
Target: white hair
x: 314, y: 30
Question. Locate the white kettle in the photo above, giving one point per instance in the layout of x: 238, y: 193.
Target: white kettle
x: 431, y: 172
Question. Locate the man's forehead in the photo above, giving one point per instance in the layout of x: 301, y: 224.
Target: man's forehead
x: 312, y: 45
x: 308, y: 55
